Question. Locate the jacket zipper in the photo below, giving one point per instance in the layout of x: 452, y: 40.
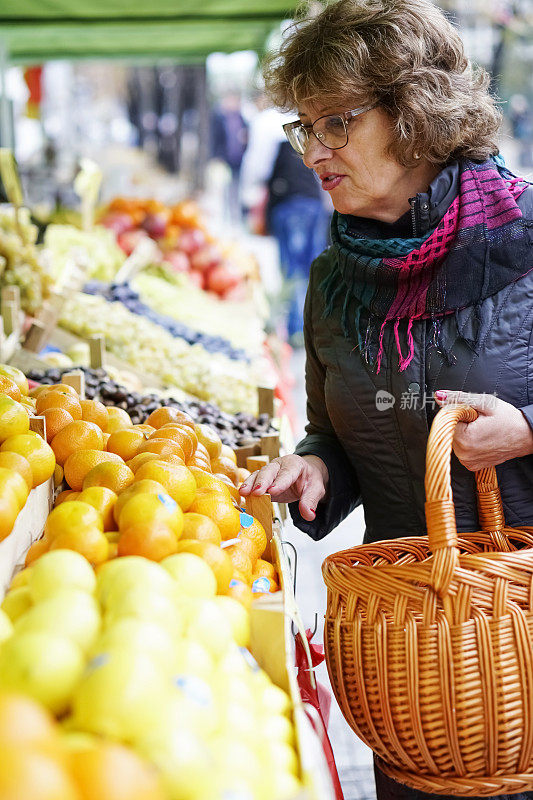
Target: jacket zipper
x: 413, y: 203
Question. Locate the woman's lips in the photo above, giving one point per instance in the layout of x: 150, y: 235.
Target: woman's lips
x: 330, y: 181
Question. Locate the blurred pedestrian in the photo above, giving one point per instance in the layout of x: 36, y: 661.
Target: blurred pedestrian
x: 229, y: 138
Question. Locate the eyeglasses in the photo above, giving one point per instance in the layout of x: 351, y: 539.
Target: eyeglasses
x: 330, y: 130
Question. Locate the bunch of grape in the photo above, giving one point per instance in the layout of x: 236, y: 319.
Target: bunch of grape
x: 21, y: 262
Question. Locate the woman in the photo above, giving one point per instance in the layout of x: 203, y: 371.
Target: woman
x: 427, y: 290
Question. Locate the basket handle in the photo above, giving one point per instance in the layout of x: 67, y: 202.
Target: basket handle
x: 439, y: 507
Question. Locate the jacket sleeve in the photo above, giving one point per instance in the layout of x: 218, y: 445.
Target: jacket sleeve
x: 343, y: 489
x: 527, y: 411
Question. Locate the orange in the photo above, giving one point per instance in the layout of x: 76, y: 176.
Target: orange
x: 114, y: 476
x: 68, y: 494
x: 112, y: 536
x: 140, y: 459
x: 163, y: 447
x: 112, y: 772
x: 28, y: 773
x: 177, y: 479
x: 215, y: 556
x: 90, y: 543
x: 243, y: 474
x: 59, y: 399
x: 77, y: 435
x: 13, y: 418
x: 59, y: 474
x: 209, y: 438
x: 112, y: 550
x: 154, y: 509
x: 234, y: 492
x: 227, y: 467
x: 72, y: 515
x: 165, y: 414
x: 185, y: 428
x: 220, y: 510
x: 240, y: 591
x: 25, y: 723
x: 152, y: 487
x: 174, y: 434
x: 147, y: 429
x: 206, y: 480
x: 80, y: 463
x: 17, y: 376
x: 125, y: 443
x: 241, y: 561
x: 11, y: 481
x: 255, y: 533
x: 264, y: 586
x: 117, y: 419
x: 202, y: 452
x: 36, y: 451
x: 20, y: 464
x: 199, y: 463
x: 227, y: 452
x: 57, y: 387
x: 37, y: 549
x: 94, y: 411
x: 9, y: 387
x: 264, y: 569
x: 9, y: 509
x: 56, y: 419
x: 150, y: 540
x: 201, y: 528
x: 103, y: 500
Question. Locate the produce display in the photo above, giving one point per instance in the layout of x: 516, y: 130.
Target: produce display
x: 95, y: 251
x: 143, y: 344
x: 130, y: 622
x: 125, y: 294
x: 233, y: 429
x: 22, y: 263
x: 184, y: 244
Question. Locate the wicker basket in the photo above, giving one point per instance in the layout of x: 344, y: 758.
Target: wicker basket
x: 431, y: 656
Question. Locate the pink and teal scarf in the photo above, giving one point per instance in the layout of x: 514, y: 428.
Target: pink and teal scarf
x: 481, y: 244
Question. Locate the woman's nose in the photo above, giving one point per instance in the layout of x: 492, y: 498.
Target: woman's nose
x: 315, y: 152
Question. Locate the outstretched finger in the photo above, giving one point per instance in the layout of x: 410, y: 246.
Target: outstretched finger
x: 259, y: 482
x: 285, y: 478
x: 311, y: 496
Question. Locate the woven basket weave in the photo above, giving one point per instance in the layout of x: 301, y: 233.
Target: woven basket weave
x: 429, y: 641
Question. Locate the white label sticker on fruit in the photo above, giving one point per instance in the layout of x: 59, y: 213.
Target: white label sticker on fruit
x: 98, y: 661
x: 167, y: 501
x: 261, y: 585
x: 195, y: 689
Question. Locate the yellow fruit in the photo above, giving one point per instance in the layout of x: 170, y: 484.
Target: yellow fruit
x: 220, y: 510
x: 56, y: 419
x: 72, y: 516
x: 140, y: 459
x: 77, y: 435
x: 28, y: 773
x: 116, y: 477
x: 177, y: 480
x: 153, y: 508
x: 241, y: 592
x: 255, y: 533
x: 178, y: 435
x: 166, y: 415
x: 67, y: 494
x: 201, y: 528
x: 9, y: 509
x: 264, y: 569
x: 59, y: 474
x: 152, y: 487
x: 17, y: 376
x: 125, y: 443
x: 11, y: 481
x: 20, y: 579
x: 209, y: 439
x: 59, y: 399
x: 94, y: 411
x: 18, y: 463
x: 164, y: 448
x: 112, y: 536
x: 25, y: 723
x: 232, y: 489
x: 9, y: 387
x: 206, y: 480
x: 36, y: 451
x: 146, y: 429
x: 80, y: 463
x: 103, y: 500
x: 153, y: 540
x: 241, y: 561
x: 215, y: 556
x: 227, y: 452
x: 109, y: 771
x: 13, y: 418
x: 227, y: 467
x: 37, y: 549
x: 117, y: 419
x: 90, y: 543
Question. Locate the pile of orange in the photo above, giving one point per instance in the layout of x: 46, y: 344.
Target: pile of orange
x: 150, y: 490
x: 38, y: 763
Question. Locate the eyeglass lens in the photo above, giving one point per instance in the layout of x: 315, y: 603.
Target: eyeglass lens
x: 330, y: 131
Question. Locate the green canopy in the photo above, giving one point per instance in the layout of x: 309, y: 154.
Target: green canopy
x: 37, y: 30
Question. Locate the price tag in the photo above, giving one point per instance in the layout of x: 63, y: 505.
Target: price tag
x: 10, y: 178
x: 87, y: 186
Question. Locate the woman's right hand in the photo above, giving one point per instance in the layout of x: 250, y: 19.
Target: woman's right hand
x: 291, y: 478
